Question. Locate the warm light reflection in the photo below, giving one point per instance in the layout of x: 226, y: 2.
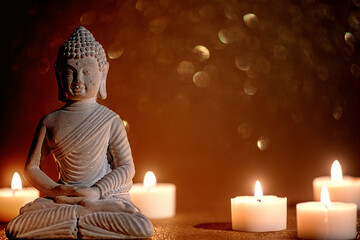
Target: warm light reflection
x: 325, y: 197
x: 127, y: 125
x: 16, y: 182
x: 258, y: 191
x: 336, y: 173
x: 149, y: 180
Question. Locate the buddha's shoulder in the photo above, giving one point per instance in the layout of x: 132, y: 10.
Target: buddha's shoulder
x: 51, y: 118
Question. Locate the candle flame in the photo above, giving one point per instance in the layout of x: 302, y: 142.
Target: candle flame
x: 325, y: 197
x: 258, y: 191
x: 149, y: 180
x: 336, y: 173
x: 16, y: 182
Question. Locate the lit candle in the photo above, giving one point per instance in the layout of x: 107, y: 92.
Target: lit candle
x: 155, y: 200
x: 341, y: 188
x: 12, y: 199
x: 258, y: 213
x: 326, y: 219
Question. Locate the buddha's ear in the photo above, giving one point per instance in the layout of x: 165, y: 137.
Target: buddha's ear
x: 61, y: 92
x: 102, y: 88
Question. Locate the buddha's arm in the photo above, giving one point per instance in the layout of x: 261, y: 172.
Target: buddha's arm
x: 123, y: 170
x: 33, y: 173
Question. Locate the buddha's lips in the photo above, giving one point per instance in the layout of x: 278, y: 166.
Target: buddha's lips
x: 77, y: 87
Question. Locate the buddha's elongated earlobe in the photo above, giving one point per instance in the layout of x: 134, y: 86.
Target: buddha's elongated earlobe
x: 102, y: 88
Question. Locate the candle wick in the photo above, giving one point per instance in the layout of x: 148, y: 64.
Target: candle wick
x: 259, y: 200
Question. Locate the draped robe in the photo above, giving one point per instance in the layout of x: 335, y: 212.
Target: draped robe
x: 95, y: 153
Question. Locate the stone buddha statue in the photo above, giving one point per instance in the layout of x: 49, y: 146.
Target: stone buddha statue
x: 89, y: 144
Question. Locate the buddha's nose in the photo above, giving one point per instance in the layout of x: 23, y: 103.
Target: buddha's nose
x: 78, y: 79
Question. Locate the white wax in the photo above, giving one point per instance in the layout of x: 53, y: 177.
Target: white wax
x: 348, y: 190
x: 247, y: 214
x: 158, y: 201
x: 12, y: 202
x: 315, y: 221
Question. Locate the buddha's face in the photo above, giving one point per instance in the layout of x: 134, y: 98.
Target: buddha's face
x: 81, y: 78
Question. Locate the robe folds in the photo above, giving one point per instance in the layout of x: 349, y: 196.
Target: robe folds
x: 95, y: 153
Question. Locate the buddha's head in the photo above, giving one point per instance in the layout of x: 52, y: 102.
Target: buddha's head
x: 81, y: 67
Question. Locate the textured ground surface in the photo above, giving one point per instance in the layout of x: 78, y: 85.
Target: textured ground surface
x: 211, y: 225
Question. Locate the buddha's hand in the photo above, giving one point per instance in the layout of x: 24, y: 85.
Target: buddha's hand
x: 79, y: 194
x: 64, y: 190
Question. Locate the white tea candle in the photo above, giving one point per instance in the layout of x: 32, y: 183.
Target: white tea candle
x: 258, y: 213
x: 341, y: 188
x: 155, y: 200
x: 326, y: 219
x: 12, y: 199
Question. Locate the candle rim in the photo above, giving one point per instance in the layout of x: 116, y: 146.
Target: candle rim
x: 334, y: 205
x: 253, y: 199
x: 347, y: 181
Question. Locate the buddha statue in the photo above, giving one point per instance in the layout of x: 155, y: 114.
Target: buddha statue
x: 89, y: 144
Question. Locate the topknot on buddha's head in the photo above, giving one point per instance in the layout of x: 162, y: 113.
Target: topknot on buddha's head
x: 82, y: 44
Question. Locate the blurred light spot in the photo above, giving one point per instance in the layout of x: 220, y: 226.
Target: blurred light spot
x: 216, y: 43
x: 252, y: 43
x: 250, y: 87
x: 201, y: 53
x: 244, y: 130
x: 251, y: 20
x: 88, y: 18
x: 349, y: 38
x: 297, y: 116
x: 337, y: 112
x: 127, y: 126
x: 43, y: 66
x: 263, y: 142
x: 263, y: 65
x: 185, y: 69
x: 355, y: 70
x: 322, y: 73
x: 231, y: 34
x: 231, y: 13
x: 207, y: 12
x: 280, y: 52
x: 115, y: 51
x: 223, y: 36
x: 242, y: 62
x: 158, y: 25
x: 140, y: 5
x: 201, y: 79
